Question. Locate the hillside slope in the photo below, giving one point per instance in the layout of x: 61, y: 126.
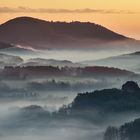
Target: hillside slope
x: 40, y: 33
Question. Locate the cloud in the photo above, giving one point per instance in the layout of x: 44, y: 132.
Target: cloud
x: 55, y: 11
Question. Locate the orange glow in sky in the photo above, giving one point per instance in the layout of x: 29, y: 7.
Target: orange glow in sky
x: 122, y: 16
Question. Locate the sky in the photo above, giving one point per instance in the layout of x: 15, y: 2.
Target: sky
x: 122, y: 16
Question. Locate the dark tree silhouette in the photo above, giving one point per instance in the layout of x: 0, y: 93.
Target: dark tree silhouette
x: 112, y: 133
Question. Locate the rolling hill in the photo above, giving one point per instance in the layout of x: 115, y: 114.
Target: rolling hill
x: 127, y: 61
x: 44, y: 34
x: 105, y: 105
x: 51, y: 62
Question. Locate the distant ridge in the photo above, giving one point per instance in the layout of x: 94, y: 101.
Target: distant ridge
x: 128, y: 61
x: 40, y: 33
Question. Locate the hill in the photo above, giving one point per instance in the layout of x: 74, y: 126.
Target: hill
x: 105, y: 105
x: 43, y: 34
x: 128, y: 131
x: 69, y: 72
x: 127, y: 61
x: 51, y: 62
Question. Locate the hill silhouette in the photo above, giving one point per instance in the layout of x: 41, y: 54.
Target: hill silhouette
x: 102, y: 105
x: 129, y: 131
x: 40, y: 33
x: 44, y: 71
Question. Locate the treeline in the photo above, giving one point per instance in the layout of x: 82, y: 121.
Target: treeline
x: 103, y: 104
x: 128, y: 131
x: 65, y: 85
x: 41, y: 71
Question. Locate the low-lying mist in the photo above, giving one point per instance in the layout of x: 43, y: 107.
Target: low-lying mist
x: 30, y: 101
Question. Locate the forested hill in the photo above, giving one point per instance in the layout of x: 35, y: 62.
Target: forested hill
x: 128, y: 131
x: 37, y: 33
x: 105, y: 102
